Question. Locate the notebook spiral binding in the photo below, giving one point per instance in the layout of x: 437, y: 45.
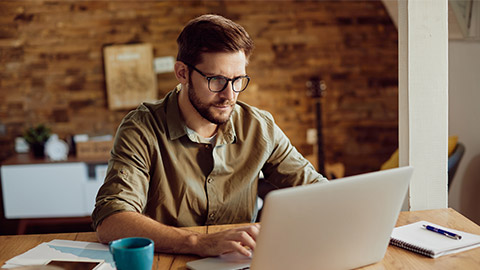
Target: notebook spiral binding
x: 414, y: 248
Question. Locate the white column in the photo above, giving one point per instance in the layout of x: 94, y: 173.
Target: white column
x: 423, y: 99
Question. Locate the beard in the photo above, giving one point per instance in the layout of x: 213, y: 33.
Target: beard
x: 207, y: 111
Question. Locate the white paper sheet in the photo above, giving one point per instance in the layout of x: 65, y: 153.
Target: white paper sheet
x: 63, y: 250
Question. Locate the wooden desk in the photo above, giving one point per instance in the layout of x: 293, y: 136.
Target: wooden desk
x: 395, y: 258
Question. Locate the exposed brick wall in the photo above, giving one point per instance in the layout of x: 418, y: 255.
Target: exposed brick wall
x: 51, y: 66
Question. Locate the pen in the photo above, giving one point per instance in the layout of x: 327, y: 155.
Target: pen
x: 440, y: 231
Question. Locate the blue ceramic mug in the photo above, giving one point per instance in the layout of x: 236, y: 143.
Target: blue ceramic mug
x: 133, y: 253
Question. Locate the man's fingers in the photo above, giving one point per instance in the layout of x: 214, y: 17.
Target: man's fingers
x: 241, y: 240
x: 241, y: 249
x: 244, y: 236
x: 245, y: 239
x: 253, y: 231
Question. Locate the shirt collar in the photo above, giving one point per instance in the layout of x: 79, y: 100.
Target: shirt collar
x: 177, y: 127
x: 175, y: 122
x: 226, y: 132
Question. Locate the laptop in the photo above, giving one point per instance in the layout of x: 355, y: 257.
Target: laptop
x: 343, y: 224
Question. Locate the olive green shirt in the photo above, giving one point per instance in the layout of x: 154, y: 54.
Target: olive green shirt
x: 161, y: 169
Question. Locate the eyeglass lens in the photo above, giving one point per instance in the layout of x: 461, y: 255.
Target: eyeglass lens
x: 218, y: 83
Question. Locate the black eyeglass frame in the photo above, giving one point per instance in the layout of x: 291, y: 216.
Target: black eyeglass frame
x: 209, y: 78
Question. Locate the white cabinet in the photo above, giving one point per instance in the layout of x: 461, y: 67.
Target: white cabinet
x: 49, y: 190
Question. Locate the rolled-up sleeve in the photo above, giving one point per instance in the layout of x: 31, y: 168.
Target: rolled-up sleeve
x: 286, y: 166
x: 127, y: 180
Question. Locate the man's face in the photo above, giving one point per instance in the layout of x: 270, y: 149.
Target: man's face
x: 215, y: 107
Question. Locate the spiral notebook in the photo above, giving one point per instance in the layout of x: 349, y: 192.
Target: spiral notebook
x: 416, y: 238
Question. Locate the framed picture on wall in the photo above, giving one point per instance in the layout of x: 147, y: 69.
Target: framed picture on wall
x: 130, y: 77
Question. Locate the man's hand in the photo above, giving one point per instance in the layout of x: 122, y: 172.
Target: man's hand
x: 177, y: 240
x: 240, y: 240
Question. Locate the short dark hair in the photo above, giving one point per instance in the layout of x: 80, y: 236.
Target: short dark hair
x: 211, y: 33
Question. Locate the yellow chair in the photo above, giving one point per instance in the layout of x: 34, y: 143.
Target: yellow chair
x: 455, y: 154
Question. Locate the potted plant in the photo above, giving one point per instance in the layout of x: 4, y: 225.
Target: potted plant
x: 36, y: 138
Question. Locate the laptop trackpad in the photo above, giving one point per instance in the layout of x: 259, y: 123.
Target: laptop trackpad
x: 228, y: 261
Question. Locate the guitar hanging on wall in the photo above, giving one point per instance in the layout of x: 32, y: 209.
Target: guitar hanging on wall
x: 316, y: 88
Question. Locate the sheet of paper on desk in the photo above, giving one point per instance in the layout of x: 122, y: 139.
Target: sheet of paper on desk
x: 63, y: 250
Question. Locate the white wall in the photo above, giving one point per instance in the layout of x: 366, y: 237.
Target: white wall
x: 464, y: 121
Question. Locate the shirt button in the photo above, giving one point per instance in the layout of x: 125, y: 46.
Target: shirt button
x: 209, y: 180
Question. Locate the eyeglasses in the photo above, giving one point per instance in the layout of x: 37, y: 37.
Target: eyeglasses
x: 218, y: 83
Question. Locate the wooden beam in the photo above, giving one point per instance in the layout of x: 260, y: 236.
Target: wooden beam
x: 423, y: 100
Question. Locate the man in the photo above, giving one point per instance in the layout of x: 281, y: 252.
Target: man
x: 194, y: 157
